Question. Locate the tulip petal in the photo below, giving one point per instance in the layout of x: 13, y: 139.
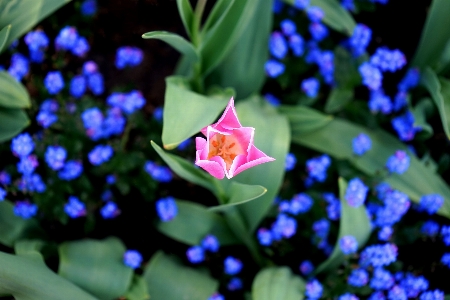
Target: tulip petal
x: 212, y: 167
x: 200, y: 143
x: 254, y: 158
x: 229, y: 119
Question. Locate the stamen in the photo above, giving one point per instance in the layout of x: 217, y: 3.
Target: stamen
x: 231, y: 145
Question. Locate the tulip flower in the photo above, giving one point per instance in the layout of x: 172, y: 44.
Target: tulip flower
x: 228, y: 148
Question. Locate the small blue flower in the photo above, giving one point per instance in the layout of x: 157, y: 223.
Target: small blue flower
x: 274, y: 101
x: 398, y: 162
x: 274, y: 68
x: 301, y: 4
x: 430, y: 228
x: 360, y: 39
x: 195, y: 254
x: 232, y: 266
x: 413, y: 285
x: 378, y: 255
x: 385, y: 233
x: 358, y: 278
x: 310, y: 87
x: 277, y: 45
x: 89, y: 68
x: 166, y: 208
x: 54, y: 82
x: 348, y: 296
x: 317, y: 167
x: 361, y: 144
x: 300, y: 204
x: 95, y: 83
x: 55, y: 157
x: 109, y: 210
x: 210, y: 243
x: 74, y: 208
x: 158, y: 173
x: 32, y: 183
x: 100, y: 154
x: 404, y: 126
x: 3, y: 194
x: 431, y: 203
x: 321, y: 228
x: 382, y: 279
x: 264, y: 237
x: 234, y: 284
x: 216, y: 296
x: 71, y: 170
x: 432, y: 295
x: 315, y: 13
x: 445, y: 232
x: 356, y: 192
x: 388, y: 60
x: 371, y: 76
x: 25, y: 209
x: 22, y: 145
x: 314, y: 290
x: 88, y: 8
x: 132, y: 259
x: 19, y: 66
x: 397, y: 293
x: 348, y: 5
x: 77, y: 86
x: 128, y: 57
x: 66, y: 38
x: 297, y: 44
x: 81, y: 47
x: 288, y: 27
x: 46, y: 118
x: 334, y: 206
x: 411, y: 80
x: 318, y: 31
x: 284, y: 226
x: 111, y: 179
x: 27, y: 164
x: 446, y: 259
x: 5, y: 178
x: 36, y: 40
x: 348, y: 244
x: 306, y: 267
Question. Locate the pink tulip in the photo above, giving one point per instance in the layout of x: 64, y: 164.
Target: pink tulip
x: 228, y: 148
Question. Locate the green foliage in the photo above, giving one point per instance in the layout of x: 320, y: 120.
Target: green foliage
x: 96, y: 266
x: 12, y: 93
x: 239, y: 193
x: 186, y: 14
x: 174, y: 40
x: 28, y: 278
x: 190, y: 284
x: 277, y: 283
x: 338, y: 98
x: 354, y: 221
x: 138, y: 289
x: 4, y: 34
x: 434, y: 38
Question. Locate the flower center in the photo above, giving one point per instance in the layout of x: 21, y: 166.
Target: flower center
x: 225, y: 146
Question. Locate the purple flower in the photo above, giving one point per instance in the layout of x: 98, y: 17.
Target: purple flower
x: 398, y: 162
x: 358, y: 278
x: 132, y: 259
x: 310, y: 87
x: 232, y: 265
x: 274, y: 68
x: 55, y: 157
x: 71, y: 170
x: 89, y: 68
x: 371, y: 76
x: 166, y: 208
x: 25, y: 209
x: 22, y: 145
x: 361, y: 144
x: 100, y: 154
x: 74, y: 208
x: 356, y: 192
x: 348, y: 244
x: 195, y: 254
x: 54, y: 82
x: 109, y: 210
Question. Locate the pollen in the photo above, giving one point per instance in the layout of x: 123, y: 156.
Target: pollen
x: 225, y: 146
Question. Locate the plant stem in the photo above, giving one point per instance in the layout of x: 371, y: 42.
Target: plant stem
x: 198, y: 14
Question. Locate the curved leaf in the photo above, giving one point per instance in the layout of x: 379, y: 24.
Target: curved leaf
x: 12, y: 227
x: 354, y: 221
x: 138, y: 289
x: 186, y: 14
x: 193, y: 222
x: 277, y: 283
x: 434, y: 37
x: 239, y: 193
x: 272, y: 136
x: 24, y: 14
x: 174, y: 40
x: 439, y: 90
x: 30, y: 248
x: 186, y: 112
x: 12, y: 93
x: 4, y: 34
x: 190, y: 284
x: 218, y: 11
x: 96, y: 266
x: 12, y: 122
x: 336, y: 139
x: 304, y: 119
x: 28, y: 278
x: 338, y: 98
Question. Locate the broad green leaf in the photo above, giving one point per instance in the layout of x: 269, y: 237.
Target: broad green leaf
x: 439, y: 90
x: 243, y: 66
x: 354, y: 221
x: 276, y: 283
x: 174, y: 40
x: 272, y: 136
x: 4, y: 34
x: 219, y: 11
x: 221, y: 38
x: 12, y: 93
x: 187, y: 170
x: 239, y: 193
x: 336, y: 139
x: 335, y: 15
x: 421, y: 111
x: 193, y: 222
x: 186, y: 14
x: 12, y: 227
x: 30, y: 248
x: 138, y: 289
x: 24, y: 14
x: 96, y: 266
x: 434, y: 35
x: 189, y: 284
x: 338, y: 98
x: 12, y: 122
x: 186, y: 112
x: 27, y: 278
x: 304, y: 119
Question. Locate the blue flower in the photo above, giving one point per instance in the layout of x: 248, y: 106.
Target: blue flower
x: 301, y: 4
x: 310, y: 87
x: 74, y: 208
x: 411, y: 80
x: 360, y: 39
x: 36, y: 40
x: 314, y: 290
x: 100, y: 154
x: 210, y: 243
x: 109, y: 210
x: 356, y: 192
x: 128, y: 57
x: 284, y: 226
x: 27, y: 164
x: 306, y: 267
x: 385, y: 233
x: 71, y: 170
x: 88, y: 8
x: 396, y: 205
x: 234, y: 284
x: 288, y: 27
x: 195, y: 254
x: 22, y: 145
x: 321, y: 228
x: 77, y: 86
x: 232, y: 265
x: 315, y: 13
x: 166, y: 208
x: 278, y: 45
x: 358, y: 278
x: 378, y: 255
x: 379, y: 102
x: 388, y: 60
x: 5, y: 178
x: 3, y: 194
x: 317, y: 167
x: 19, y: 66
x: 32, y: 183
x: 348, y: 5
x: 297, y: 44
x: 300, y: 203
x: 54, y: 82
x: 404, y: 126
x: 264, y: 237
x: 81, y: 47
x: 398, y: 162
x: 348, y: 244
x: 333, y: 207
x: 318, y: 31
x: 371, y: 76
x: 397, y: 293
x: 382, y: 279
x: 46, y: 118
x: 431, y: 203
x: 430, y: 228
x: 55, y: 157
x: 25, y: 209
x: 274, y: 68
x: 158, y: 173
x: 67, y: 38
x: 445, y: 232
x: 414, y: 285
x: 95, y: 83
x: 89, y: 68
x: 348, y: 296
x: 361, y: 144
x: 446, y: 259
x: 216, y: 296
x: 132, y: 259
x: 432, y: 295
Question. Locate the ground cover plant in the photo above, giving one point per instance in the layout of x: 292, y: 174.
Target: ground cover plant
x: 224, y: 149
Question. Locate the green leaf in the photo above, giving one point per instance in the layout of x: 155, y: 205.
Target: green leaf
x: 338, y: 99
x: 273, y: 138
x: 218, y: 11
x: 336, y: 139
x: 434, y: 35
x: 187, y: 170
x: 221, y: 38
x: 186, y: 112
x: 346, y: 68
x: 193, y: 222
x: 354, y: 221
x: 243, y: 66
x: 186, y: 14
x: 421, y: 111
x: 12, y: 122
x: 239, y: 193
x: 12, y: 93
x: 190, y: 284
x: 304, y: 119
x: 174, y: 40
x: 4, y: 34
x: 12, y: 227
x: 335, y: 15
x: 439, y: 89
x: 96, y: 266
x: 24, y: 14
x: 27, y: 278
x: 278, y: 283
x: 138, y: 289
x: 30, y: 248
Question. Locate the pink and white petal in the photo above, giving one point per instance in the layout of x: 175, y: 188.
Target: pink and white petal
x: 212, y: 167
x: 229, y: 119
x: 244, y: 137
x: 252, y: 163
x: 254, y: 154
x: 238, y: 161
x: 200, y: 143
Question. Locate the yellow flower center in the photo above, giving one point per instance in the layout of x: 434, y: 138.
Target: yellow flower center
x: 225, y: 146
